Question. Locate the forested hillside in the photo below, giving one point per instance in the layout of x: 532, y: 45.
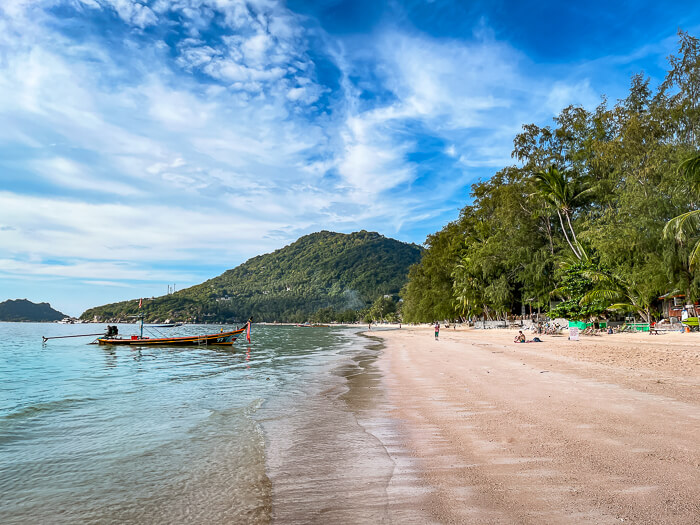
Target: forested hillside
x: 24, y: 310
x: 600, y: 213
x: 340, y: 273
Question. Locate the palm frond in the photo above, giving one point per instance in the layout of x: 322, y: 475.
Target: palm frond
x: 694, y: 258
x: 584, y: 193
x: 558, y: 292
x: 595, y: 295
x: 691, y: 169
x: 626, y: 307
x: 677, y: 226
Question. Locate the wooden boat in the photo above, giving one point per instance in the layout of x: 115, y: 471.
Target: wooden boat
x: 220, y: 338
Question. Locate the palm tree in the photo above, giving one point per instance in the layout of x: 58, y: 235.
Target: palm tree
x: 555, y: 187
x: 688, y: 224
x: 622, y: 294
x: 465, y: 290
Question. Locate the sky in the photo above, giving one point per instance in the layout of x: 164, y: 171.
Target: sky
x: 152, y: 143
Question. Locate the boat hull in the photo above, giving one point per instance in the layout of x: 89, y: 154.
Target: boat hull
x: 219, y: 339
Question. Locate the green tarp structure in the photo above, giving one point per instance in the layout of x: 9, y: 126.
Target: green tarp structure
x: 582, y: 325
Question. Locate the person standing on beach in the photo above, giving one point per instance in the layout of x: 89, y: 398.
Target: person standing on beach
x: 684, y: 318
x: 437, y: 330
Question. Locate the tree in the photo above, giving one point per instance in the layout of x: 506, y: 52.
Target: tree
x: 575, y: 285
x: 621, y: 294
x: 381, y: 308
x: 687, y: 225
x: 562, y: 194
x: 612, y: 190
x: 468, y: 301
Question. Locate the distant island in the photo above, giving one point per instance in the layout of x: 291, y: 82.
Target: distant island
x: 333, y: 276
x: 22, y: 310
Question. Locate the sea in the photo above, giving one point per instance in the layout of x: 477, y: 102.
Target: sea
x: 278, y: 429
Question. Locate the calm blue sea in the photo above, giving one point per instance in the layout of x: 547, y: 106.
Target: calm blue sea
x: 95, y: 434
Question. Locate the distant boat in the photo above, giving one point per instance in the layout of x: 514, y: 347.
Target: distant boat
x: 307, y: 325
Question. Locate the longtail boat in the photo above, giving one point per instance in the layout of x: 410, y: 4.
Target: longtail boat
x: 220, y: 338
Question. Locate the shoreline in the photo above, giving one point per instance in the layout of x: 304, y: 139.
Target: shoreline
x: 330, y: 457
x: 602, y: 430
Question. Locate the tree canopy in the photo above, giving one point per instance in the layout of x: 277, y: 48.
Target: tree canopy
x: 615, y: 187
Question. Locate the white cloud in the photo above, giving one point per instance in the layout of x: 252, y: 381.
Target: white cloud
x: 93, y: 271
x: 117, y: 284
x: 70, y: 174
x: 563, y: 94
x: 132, y: 12
x: 475, y: 96
x: 372, y: 161
x: 80, y: 229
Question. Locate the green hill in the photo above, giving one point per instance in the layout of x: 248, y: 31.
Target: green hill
x: 23, y: 310
x: 325, y: 270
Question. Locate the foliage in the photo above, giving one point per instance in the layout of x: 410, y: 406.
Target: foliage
x: 621, y: 293
x: 384, y: 308
x: 556, y: 188
x: 576, y: 289
x: 685, y: 228
x: 328, y: 276
x: 598, y: 184
x: 429, y: 288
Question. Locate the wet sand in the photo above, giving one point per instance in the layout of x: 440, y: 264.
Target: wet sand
x: 337, y: 456
x: 484, y: 430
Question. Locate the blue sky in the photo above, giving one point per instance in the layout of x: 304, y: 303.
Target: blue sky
x: 145, y: 143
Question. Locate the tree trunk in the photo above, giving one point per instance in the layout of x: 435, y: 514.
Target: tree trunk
x: 566, y: 235
x: 573, y: 233
x: 548, y: 227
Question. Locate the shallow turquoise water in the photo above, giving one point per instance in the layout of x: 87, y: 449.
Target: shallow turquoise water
x: 116, y: 434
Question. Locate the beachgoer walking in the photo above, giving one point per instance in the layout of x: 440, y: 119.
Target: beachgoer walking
x: 437, y: 330
x: 370, y: 326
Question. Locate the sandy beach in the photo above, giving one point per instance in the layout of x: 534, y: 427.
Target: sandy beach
x: 602, y: 430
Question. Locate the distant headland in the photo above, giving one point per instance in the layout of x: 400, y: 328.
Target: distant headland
x: 22, y: 310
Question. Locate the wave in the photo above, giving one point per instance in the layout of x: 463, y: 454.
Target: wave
x: 57, y: 405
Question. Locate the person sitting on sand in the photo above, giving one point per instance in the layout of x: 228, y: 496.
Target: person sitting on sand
x: 520, y: 338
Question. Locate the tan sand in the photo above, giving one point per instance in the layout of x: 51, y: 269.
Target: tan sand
x: 603, y: 430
